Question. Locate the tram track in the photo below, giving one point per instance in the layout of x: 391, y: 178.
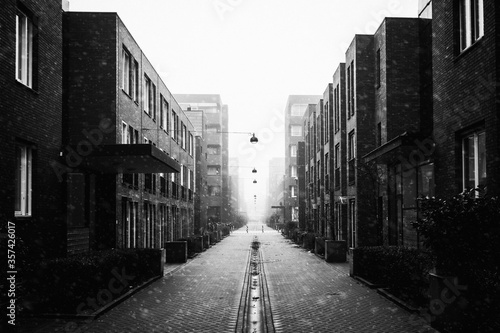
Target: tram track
x: 255, y: 314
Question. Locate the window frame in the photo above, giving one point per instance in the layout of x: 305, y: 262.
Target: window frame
x: 470, y: 23
x: 24, y: 48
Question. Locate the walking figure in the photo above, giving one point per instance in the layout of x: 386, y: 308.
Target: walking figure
x: 247, y: 229
x: 262, y: 228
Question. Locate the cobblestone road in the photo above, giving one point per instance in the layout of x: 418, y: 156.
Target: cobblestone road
x: 306, y: 293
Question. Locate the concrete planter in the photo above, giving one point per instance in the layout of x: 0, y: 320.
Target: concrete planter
x: 176, y: 252
x: 335, y: 251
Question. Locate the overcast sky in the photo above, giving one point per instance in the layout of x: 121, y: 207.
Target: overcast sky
x: 254, y: 53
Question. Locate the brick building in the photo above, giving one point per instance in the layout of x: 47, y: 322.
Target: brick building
x: 31, y: 104
x: 217, y: 140
x: 402, y: 123
x: 466, y: 73
x: 128, y: 147
x: 295, y: 108
x: 338, y: 156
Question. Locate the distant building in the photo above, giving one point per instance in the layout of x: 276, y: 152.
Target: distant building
x: 218, y: 194
x: 294, y: 110
x: 275, y: 190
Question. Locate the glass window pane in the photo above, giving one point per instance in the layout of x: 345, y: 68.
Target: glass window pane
x: 481, y: 154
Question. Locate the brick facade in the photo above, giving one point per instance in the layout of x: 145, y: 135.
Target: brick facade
x: 32, y: 117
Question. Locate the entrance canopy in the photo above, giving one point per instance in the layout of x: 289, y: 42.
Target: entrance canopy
x: 128, y: 158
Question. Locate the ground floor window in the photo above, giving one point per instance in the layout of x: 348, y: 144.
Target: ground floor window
x: 474, y: 160
x: 23, y: 180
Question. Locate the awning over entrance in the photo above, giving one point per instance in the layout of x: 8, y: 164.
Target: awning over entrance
x: 129, y: 158
x: 396, y: 150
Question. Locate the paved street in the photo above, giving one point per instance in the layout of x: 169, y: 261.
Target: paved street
x: 306, y: 293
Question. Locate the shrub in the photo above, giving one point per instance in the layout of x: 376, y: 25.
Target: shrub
x: 463, y: 233
x: 403, y: 270
x: 61, y: 285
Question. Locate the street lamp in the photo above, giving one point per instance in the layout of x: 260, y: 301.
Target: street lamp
x: 254, y: 170
x: 255, y: 181
x: 253, y: 139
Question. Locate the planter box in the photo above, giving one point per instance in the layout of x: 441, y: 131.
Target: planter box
x: 352, y: 267
x: 335, y: 251
x: 198, y: 244
x: 206, y: 242
x: 319, y: 246
x: 176, y: 252
x: 444, y: 292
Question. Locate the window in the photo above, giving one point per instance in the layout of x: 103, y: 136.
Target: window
x: 297, y: 110
x: 296, y: 130
x: 474, y: 160
x: 350, y: 90
x: 293, y: 150
x: 337, y: 166
x: 293, y: 171
x: 183, y: 136
x: 213, y: 170
x: 293, y: 191
x: 147, y: 95
x: 336, y: 96
x: 213, y: 149
x: 174, y: 126
x: 24, y: 49
x: 351, y: 148
x: 326, y: 120
x: 126, y: 72
x: 379, y: 134
x: 377, y: 69
x: 214, y: 191
x: 164, y: 113
x: 213, y: 128
x: 23, y: 180
x: 191, y: 144
x: 471, y: 22
x: 135, y: 81
x: 152, y: 101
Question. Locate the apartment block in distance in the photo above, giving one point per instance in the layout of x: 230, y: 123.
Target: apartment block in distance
x: 295, y: 108
x: 128, y: 146
x: 32, y: 88
x: 217, y: 200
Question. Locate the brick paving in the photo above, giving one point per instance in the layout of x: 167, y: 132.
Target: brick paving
x: 306, y: 293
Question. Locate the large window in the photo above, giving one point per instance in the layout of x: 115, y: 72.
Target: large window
x: 474, y: 160
x: 350, y: 90
x: 213, y: 149
x: 213, y: 170
x: 24, y: 162
x: 296, y: 130
x: 336, y: 97
x: 24, y: 49
x: 164, y: 113
x: 297, y: 110
x: 471, y: 22
x: 126, y: 71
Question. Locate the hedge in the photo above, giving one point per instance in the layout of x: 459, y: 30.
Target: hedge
x: 65, y: 285
x: 403, y: 270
